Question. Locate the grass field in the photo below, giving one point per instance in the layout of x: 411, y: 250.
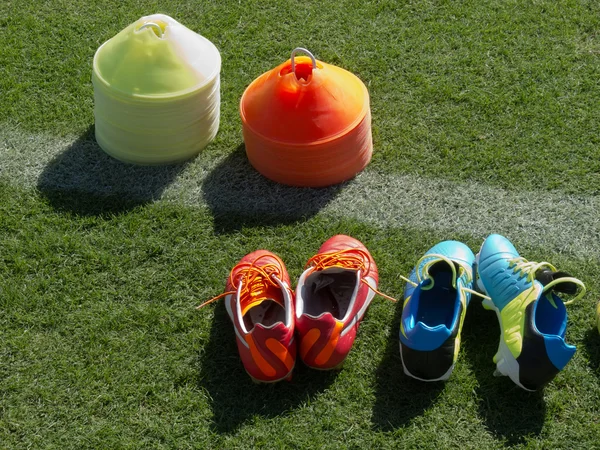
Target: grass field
x: 485, y: 119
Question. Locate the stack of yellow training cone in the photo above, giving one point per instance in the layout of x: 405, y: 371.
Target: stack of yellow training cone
x: 156, y: 92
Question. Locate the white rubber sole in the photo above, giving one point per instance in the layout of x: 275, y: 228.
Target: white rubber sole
x: 407, y: 372
x: 506, y: 363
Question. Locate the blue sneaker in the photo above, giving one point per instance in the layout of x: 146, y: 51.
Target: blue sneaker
x: 436, y: 297
x: 533, y: 319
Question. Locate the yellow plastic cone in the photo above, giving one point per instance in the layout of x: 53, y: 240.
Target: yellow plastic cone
x: 156, y: 92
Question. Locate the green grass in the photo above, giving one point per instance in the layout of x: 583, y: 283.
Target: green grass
x: 458, y: 89
x: 100, y: 345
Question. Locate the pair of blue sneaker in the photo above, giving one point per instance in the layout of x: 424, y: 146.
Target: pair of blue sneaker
x: 532, y: 317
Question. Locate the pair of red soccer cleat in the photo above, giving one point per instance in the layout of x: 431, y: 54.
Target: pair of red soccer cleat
x: 331, y: 298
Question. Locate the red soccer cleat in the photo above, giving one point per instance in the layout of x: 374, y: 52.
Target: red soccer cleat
x: 332, y: 297
x: 260, y: 303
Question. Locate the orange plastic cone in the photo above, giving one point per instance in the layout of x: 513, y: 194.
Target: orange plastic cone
x: 307, y: 123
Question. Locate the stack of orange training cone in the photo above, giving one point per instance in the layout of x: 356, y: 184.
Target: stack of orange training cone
x: 307, y: 123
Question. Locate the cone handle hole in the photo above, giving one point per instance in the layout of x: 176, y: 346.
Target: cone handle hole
x: 303, y: 70
x: 158, y: 27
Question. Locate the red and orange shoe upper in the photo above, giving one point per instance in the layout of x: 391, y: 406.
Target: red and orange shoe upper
x: 326, y: 340
x: 267, y: 350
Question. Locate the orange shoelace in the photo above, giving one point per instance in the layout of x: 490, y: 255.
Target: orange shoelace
x: 256, y: 280
x: 351, y: 258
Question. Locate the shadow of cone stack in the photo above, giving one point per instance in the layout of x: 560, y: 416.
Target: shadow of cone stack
x: 156, y: 92
x: 307, y: 123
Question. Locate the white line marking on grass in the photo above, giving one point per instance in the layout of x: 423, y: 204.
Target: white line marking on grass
x: 550, y: 220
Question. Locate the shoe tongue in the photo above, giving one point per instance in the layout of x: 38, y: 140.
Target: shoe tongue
x: 252, y: 299
x: 545, y: 276
x: 251, y: 302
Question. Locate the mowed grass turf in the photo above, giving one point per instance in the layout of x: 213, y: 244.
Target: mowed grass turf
x: 100, y: 345
x: 499, y: 91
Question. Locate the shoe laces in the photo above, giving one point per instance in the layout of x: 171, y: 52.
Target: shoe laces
x: 433, y: 258
x: 255, y: 281
x: 528, y: 269
x: 350, y: 258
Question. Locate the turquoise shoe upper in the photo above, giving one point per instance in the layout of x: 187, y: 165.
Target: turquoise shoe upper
x: 533, y: 319
x: 496, y: 272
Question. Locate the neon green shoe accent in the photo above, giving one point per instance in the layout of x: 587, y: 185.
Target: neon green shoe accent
x: 434, y: 258
x: 456, y: 347
x: 402, y: 324
x: 529, y: 268
x: 513, y: 318
x: 513, y: 314
x: 463, y: 301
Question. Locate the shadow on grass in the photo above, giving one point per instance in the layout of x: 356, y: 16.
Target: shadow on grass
x: 398, y: 397
x: 234, y: 398
x: 509, y: 412
x: 85, y: 180
x: 591, y: 341
x: 239, y: 196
